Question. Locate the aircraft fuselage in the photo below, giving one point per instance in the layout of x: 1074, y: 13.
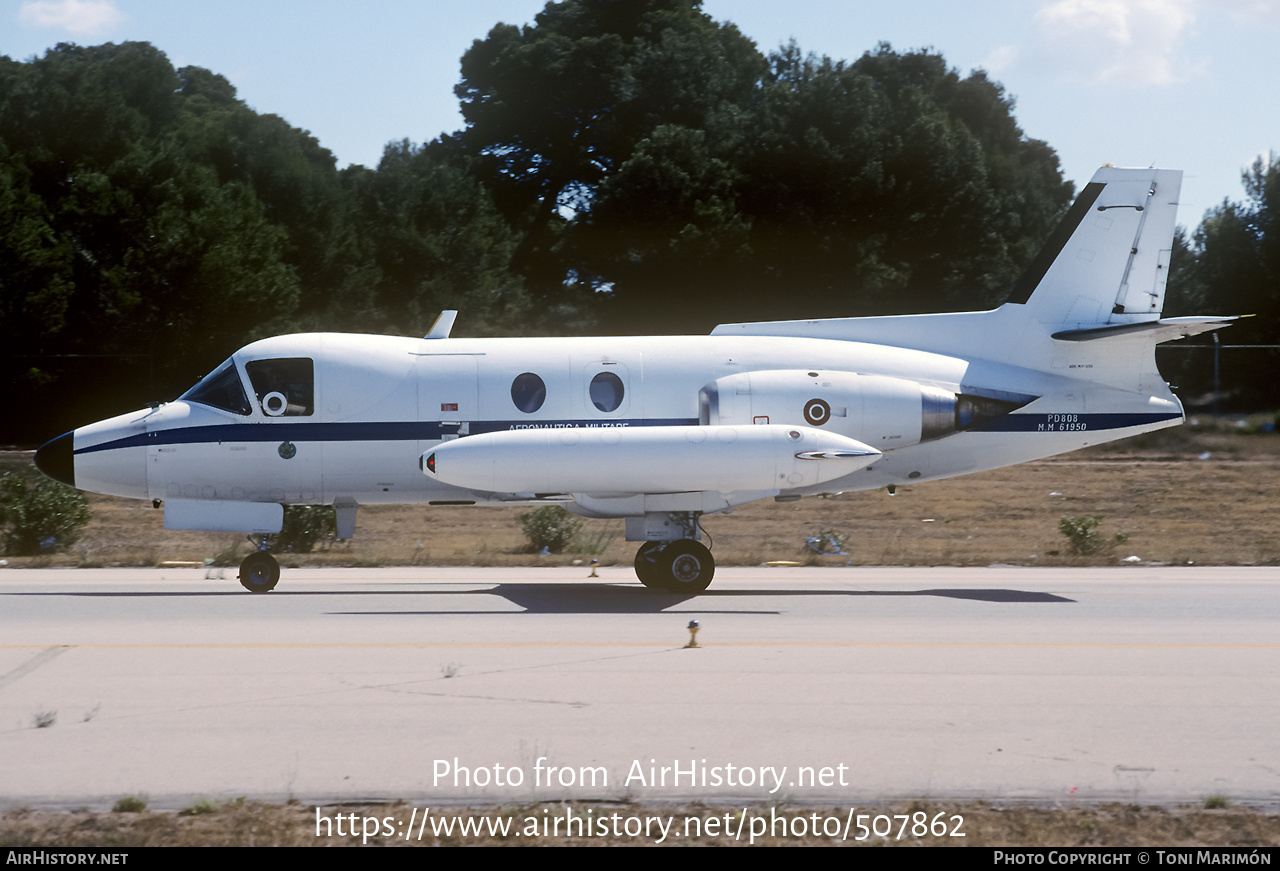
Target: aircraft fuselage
x: 378, y: 404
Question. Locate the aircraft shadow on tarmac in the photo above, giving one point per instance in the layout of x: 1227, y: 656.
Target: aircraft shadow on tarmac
x: 619, y: 599
x: 597, y: 598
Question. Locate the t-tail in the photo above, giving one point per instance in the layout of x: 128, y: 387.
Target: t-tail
x: 1089, y: 306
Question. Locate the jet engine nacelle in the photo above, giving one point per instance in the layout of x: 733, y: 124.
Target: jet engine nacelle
x: 877, y: 410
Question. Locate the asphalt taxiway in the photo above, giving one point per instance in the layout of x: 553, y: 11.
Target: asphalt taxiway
x: 477, y: 685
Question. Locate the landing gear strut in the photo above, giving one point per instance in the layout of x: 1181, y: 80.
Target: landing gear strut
x: 259, y: 573
x: 649, y: 564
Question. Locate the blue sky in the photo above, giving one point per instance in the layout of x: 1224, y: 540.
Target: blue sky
x: 1187, y: 84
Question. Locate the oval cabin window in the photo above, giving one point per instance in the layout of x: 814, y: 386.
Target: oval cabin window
x: 606, y: 391
x: 528, y: 392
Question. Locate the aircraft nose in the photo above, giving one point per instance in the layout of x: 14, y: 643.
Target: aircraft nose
x: 54, y: 458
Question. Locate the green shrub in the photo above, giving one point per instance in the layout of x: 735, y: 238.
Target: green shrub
x: 41, y: 514
x: 1085, y: 539
x: 130, y: 804
x: 304, y: 526
x: 551, y: 527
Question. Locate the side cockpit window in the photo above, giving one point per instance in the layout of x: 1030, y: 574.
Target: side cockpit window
x: 285, y: 387
x: 221, y: 390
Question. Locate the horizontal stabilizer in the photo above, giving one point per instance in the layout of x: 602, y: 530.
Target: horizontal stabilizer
x: 1163, y: 330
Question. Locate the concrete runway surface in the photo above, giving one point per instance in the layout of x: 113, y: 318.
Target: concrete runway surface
x: 483, y: 685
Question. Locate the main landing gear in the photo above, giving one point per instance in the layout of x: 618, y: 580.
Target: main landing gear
x: 259, y: 573
x: 682, y: 566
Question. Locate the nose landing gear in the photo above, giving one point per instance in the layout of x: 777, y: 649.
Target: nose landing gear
x: 259, y: 572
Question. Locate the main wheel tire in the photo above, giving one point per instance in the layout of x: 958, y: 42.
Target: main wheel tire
x: 648, y: 564
x: 688, y: 567
x: 259, y: 573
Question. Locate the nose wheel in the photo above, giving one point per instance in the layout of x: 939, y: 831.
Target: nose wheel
x: 259, y: 573
x: 684, y: 566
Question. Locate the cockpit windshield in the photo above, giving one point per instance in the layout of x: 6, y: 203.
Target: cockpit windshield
x: 221, y: 390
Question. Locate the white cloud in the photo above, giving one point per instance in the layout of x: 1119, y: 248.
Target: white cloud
x: 1126, y: 42
x: 79, y: 17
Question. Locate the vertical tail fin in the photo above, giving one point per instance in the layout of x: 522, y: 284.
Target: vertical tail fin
x: 1107, y: 262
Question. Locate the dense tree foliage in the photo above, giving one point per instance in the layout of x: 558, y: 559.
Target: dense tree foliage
x: 131, y: 240
x: 428, y: 238
x: 1238, y: 251
x: 1232, y: 267
x: 554, y: 109
x: 151, y: 223
x: 889, y: 184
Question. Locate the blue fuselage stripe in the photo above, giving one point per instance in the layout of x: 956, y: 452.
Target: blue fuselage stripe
x: 375, y: 431
x: 427, y: 431
x: 1071, y: 422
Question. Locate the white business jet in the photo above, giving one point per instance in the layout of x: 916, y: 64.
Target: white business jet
x: 662, y: 430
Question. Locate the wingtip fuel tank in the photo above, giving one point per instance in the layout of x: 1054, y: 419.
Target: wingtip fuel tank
x: 647, y: 459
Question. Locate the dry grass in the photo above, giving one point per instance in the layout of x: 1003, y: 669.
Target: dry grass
x: 1174, y: 507
x: 249, y: 824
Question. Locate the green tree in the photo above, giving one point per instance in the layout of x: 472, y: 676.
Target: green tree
x: 890, y: 184
x: 558, y: 105
x: 553, y: 109
x: 430, y: 238
x: 293, y: 179
x: 1236, y: 270
x: 1239, y: 246
x: 121, y: 236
